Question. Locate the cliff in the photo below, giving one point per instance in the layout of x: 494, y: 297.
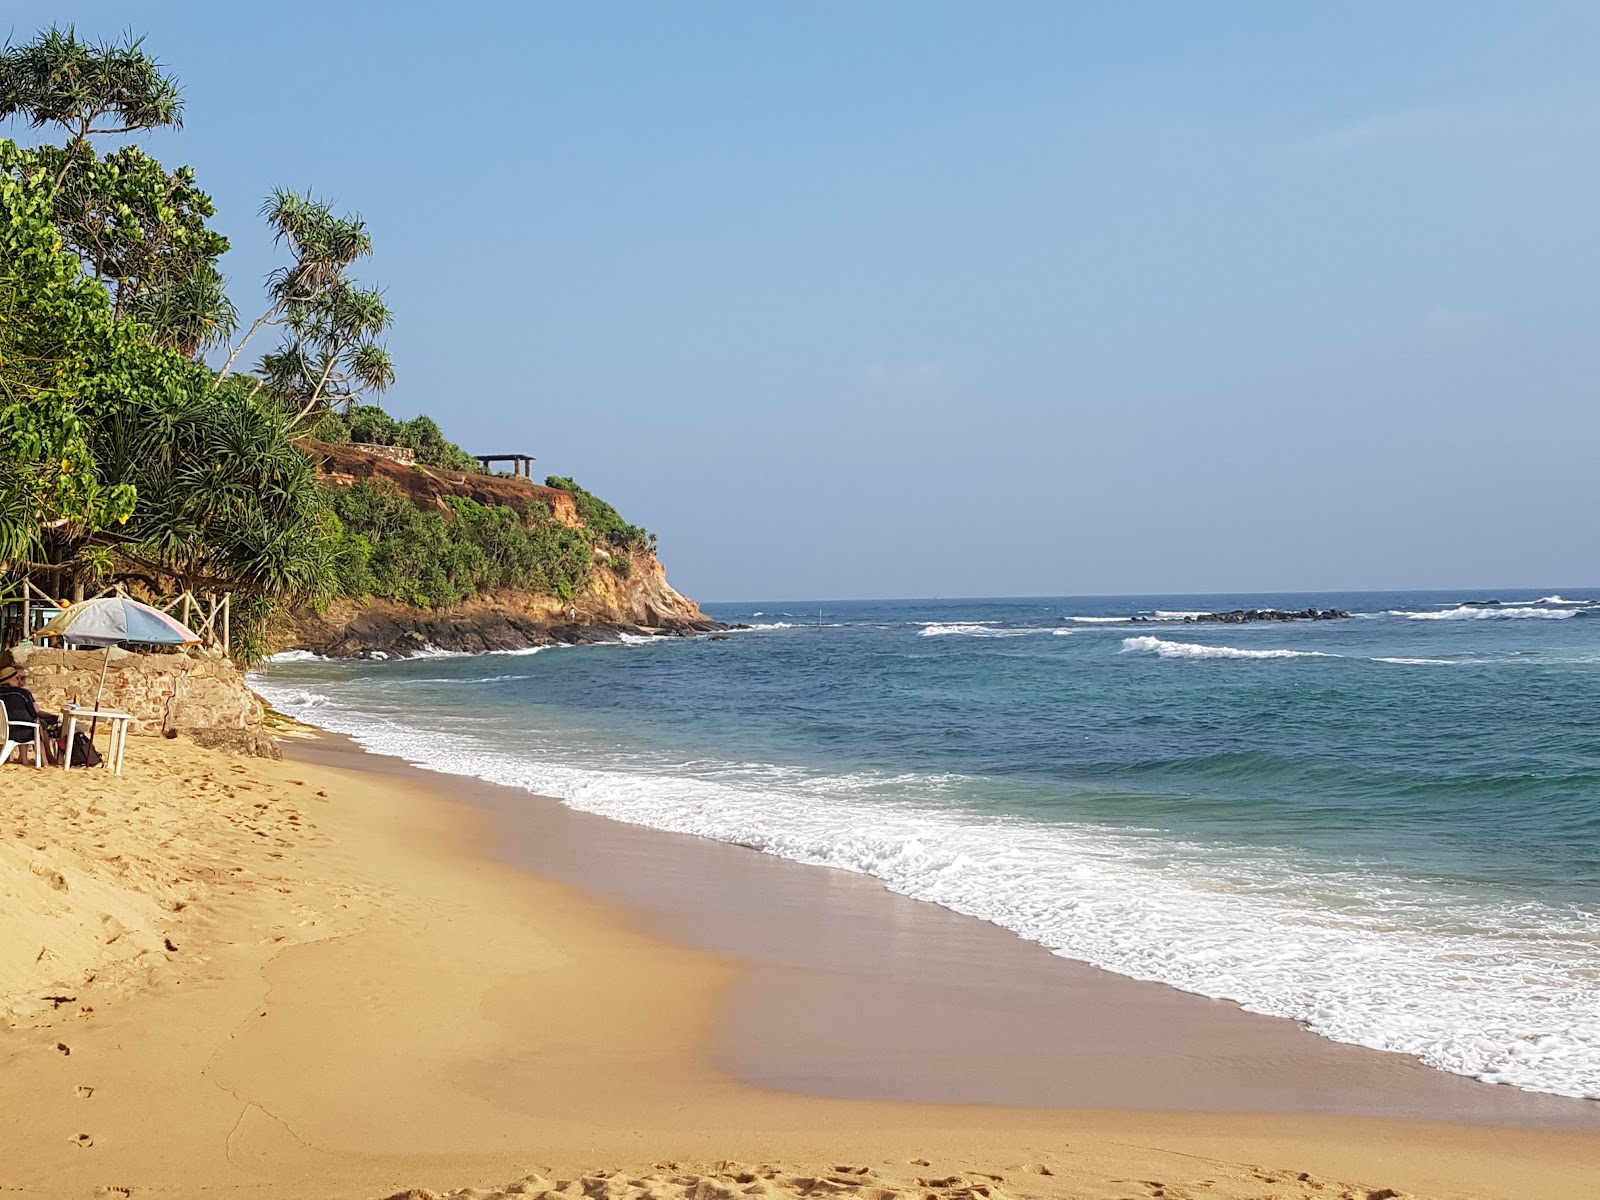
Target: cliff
x: 625, y: 592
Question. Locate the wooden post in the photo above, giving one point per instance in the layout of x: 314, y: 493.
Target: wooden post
x: 227, y: 608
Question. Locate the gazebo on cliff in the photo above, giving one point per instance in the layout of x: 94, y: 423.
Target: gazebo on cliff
x: 521, y: 464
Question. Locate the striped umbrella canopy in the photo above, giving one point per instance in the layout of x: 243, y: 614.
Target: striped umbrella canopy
x: 112, y: 620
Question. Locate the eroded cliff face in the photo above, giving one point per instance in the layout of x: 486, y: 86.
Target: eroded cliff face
x: 642, y: 602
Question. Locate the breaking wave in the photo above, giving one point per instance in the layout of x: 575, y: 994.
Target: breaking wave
x: 1194, y: 650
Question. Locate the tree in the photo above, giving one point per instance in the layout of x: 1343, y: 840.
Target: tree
x: 226, y: 502
x: 87, y: 88
x: 62, y: 354
x: 142, y: 231
x: 328, y: 356
x: 322, y: 245
x: 139, y: 229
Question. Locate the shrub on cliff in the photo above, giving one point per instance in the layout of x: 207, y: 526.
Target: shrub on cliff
x: 390, y: 549
x: 369, y: 424
x: 604, y: 522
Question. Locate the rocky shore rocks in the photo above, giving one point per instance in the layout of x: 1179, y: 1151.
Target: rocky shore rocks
x: 1242, y: 616
x: 395, y: 631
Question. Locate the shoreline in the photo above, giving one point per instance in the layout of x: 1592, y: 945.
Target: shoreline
x: 361, y: 996
x: 849, y: 990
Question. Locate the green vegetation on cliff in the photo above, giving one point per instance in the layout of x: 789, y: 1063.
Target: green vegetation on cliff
x: 369, y: 424
x: 391, y: 549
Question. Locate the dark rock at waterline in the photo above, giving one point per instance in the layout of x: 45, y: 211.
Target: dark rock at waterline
x: 1243, y: 616
x: 403, y: 633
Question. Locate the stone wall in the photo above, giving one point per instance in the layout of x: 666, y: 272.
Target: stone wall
x: 164, y: 692
x: 404, y: 455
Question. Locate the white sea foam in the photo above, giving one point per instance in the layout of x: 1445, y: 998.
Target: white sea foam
x: 1559, y: 600
x: 1099, y: 620
x: 429, y: 650
x: 295, y: 698
x: 1063, y: 632
x: 1423, y: 662
x: 290, y: 656
x: 1164, y: 615
x: 773, y: 624
x: 969, y: 629
x: 1473, y: 612
x: 1504, y: 992
x: 1194, y: 650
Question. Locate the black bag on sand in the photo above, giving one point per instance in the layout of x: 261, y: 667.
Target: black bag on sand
x: 83, y: 752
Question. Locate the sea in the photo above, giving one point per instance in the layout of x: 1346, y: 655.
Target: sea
x: 1385, y: 827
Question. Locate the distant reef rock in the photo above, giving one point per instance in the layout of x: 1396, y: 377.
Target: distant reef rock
x: 1243, y: 616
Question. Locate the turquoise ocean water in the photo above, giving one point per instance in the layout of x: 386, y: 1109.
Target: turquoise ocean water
x: 1386, y: 827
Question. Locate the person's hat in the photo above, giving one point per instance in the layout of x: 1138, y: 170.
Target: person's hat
x: 6, y: 673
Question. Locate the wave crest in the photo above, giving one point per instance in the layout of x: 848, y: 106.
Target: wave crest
x: 1485, y: 613
x: 1166, y: 649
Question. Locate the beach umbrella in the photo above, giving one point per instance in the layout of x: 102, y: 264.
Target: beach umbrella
x: 111, y: 621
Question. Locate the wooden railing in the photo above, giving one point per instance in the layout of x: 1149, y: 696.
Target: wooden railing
x: 208, y: 614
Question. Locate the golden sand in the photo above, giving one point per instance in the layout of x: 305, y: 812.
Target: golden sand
x: 226, y: 977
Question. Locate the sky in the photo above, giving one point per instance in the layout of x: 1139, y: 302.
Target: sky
x: 962, y: 299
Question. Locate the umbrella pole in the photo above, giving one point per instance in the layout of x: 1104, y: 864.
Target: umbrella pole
x: 98, y: 692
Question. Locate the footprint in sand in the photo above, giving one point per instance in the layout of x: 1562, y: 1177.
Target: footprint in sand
x: 84, y: 1090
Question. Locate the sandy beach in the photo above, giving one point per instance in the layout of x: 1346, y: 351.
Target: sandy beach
x: 336, y: 976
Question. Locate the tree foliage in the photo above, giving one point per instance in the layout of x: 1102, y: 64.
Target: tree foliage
x: 87, y: 88
x: 141, y: 230
x: 226, y: 502
x: 63, y: 357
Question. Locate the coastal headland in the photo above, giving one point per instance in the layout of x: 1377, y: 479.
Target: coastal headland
x: 337, y: 976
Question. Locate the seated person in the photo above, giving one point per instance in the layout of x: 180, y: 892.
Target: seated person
x: 20, y: 707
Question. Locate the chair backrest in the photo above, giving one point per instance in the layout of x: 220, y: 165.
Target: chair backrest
x: 5, y: 724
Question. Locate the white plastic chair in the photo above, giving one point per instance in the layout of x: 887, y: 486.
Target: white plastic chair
x: 7, y: 745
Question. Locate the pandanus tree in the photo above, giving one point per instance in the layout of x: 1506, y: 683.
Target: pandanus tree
x: 225, y: 500
x: 88, y: 88
x: 329, y: 354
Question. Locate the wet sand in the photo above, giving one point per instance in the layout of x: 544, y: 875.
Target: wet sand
x: 847, y: 989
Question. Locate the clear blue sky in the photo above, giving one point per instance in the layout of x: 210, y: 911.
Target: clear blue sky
x: 918, y: 298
